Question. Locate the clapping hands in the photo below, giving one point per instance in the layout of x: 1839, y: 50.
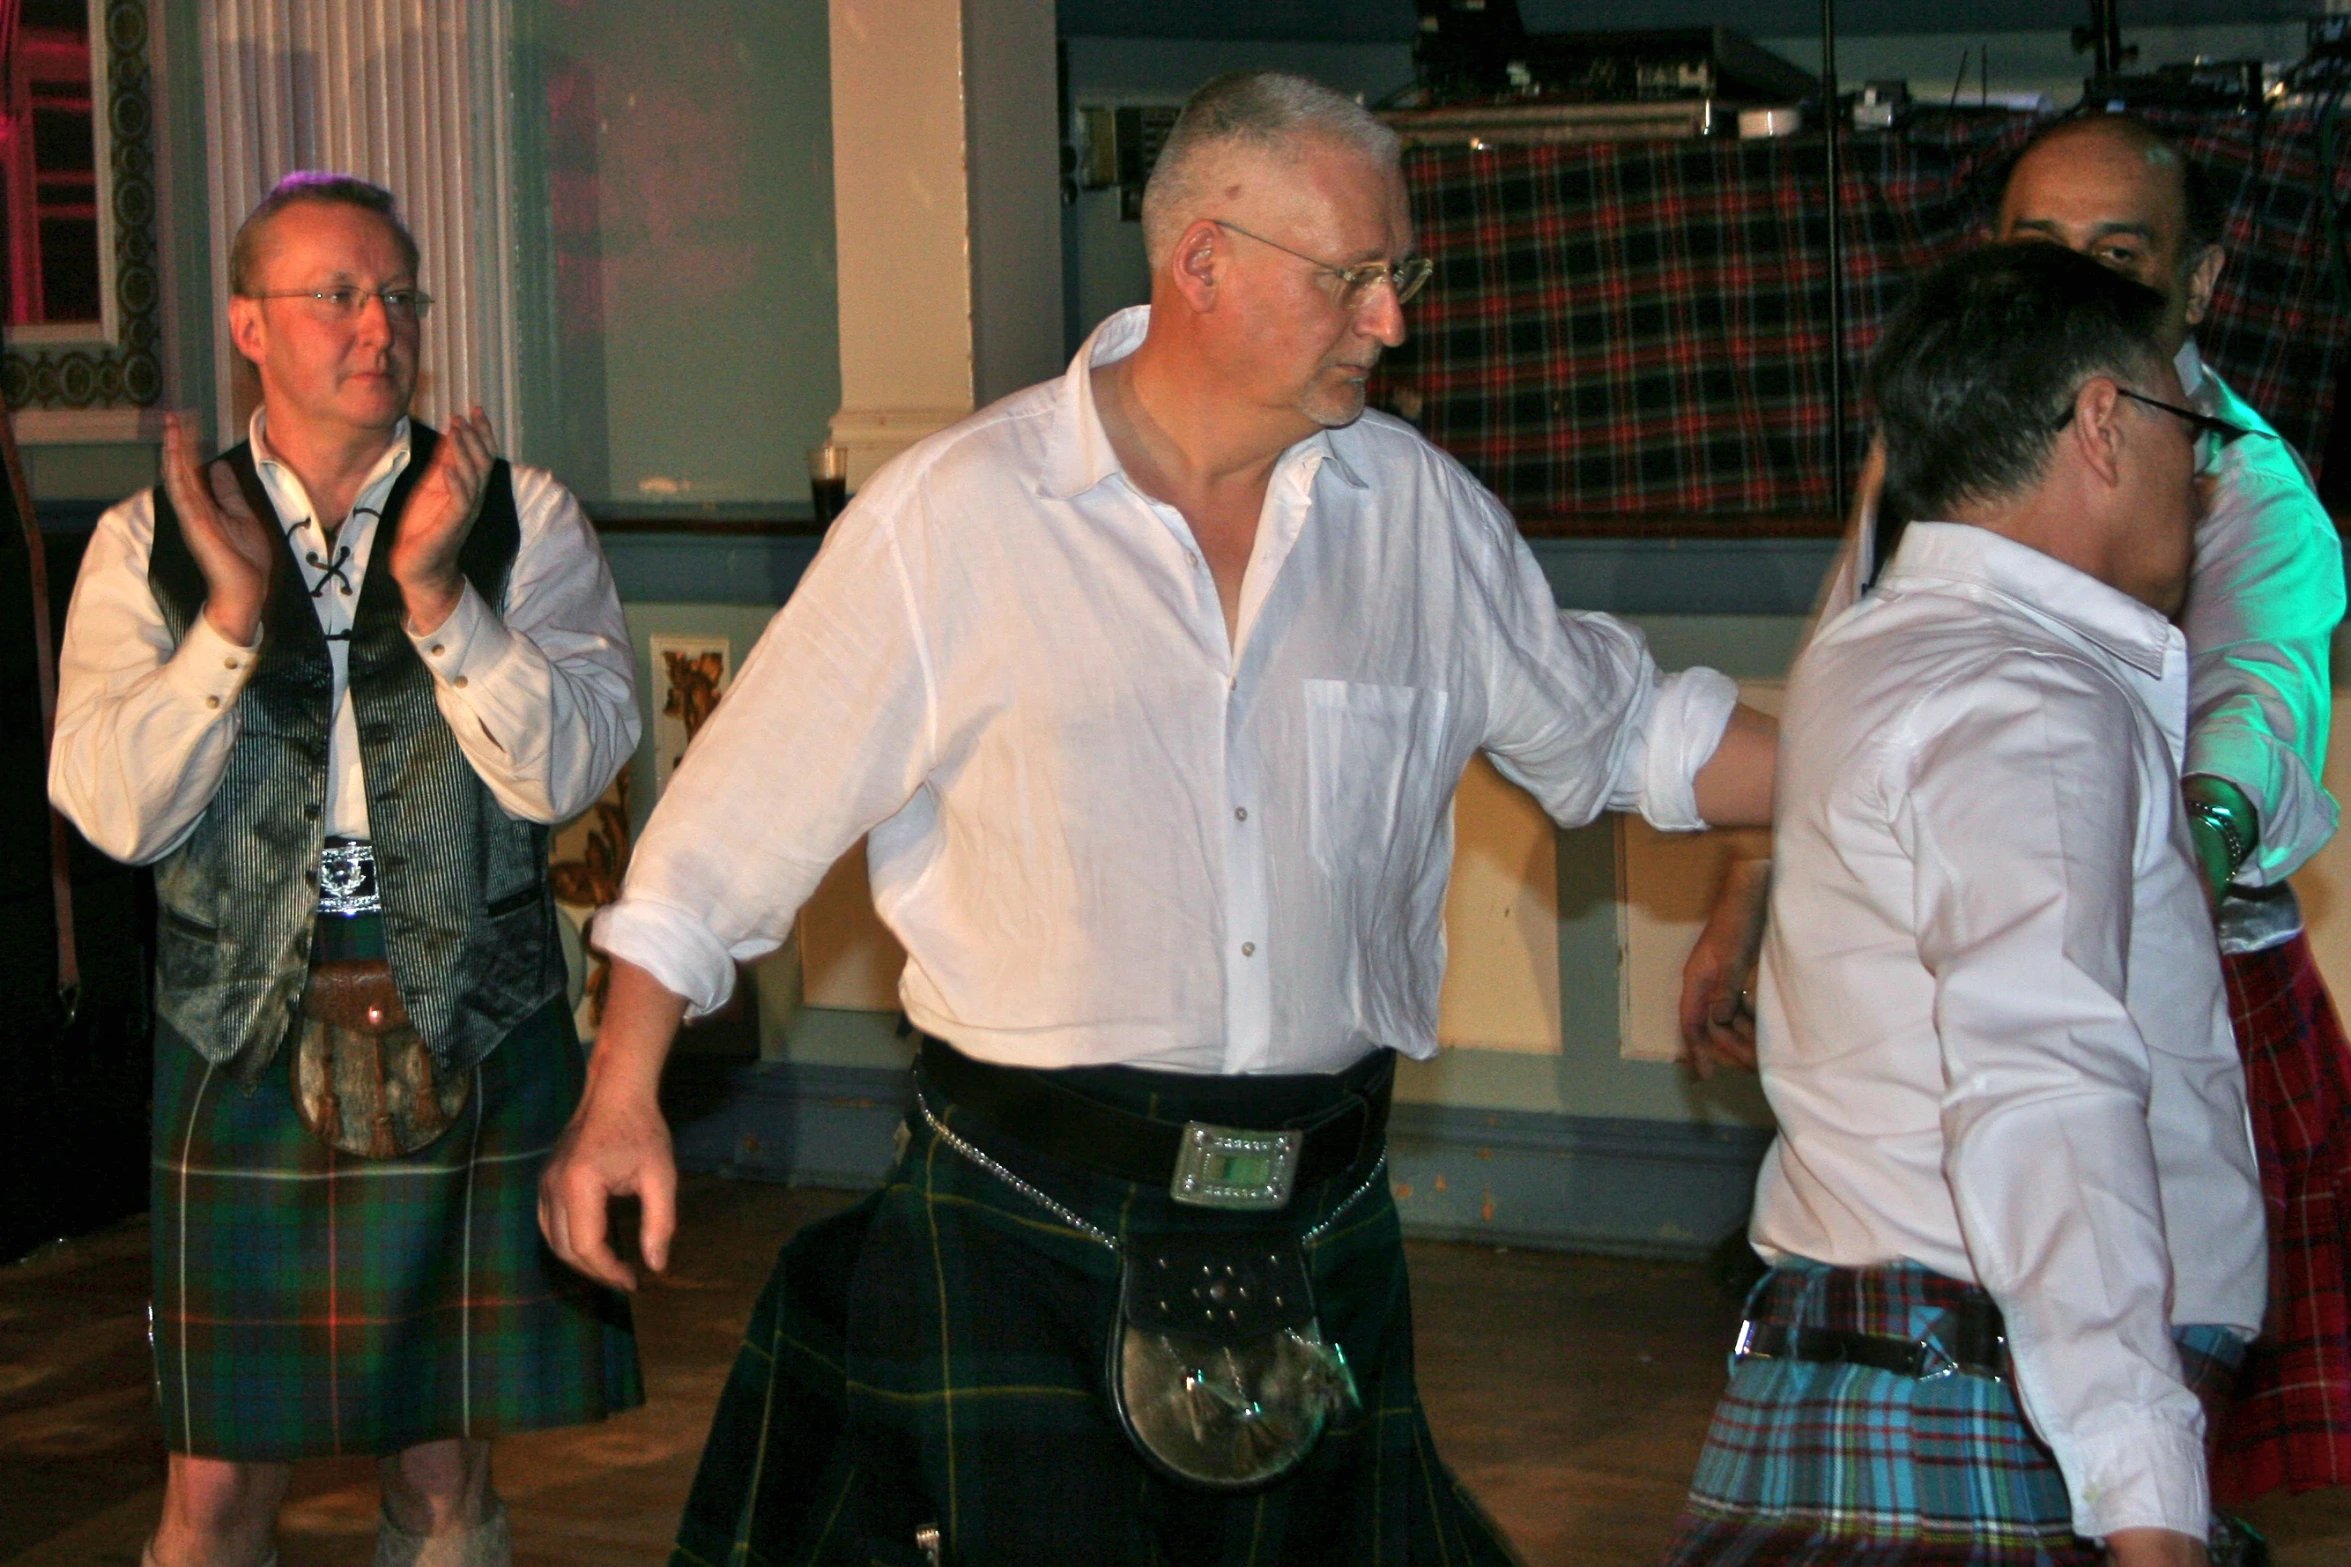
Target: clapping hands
x: 233, y: 548
x: 440, y: 515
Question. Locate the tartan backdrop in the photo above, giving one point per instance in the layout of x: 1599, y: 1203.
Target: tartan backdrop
x: 1631, y: 336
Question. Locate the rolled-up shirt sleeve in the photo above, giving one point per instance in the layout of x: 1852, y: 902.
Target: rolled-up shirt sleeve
x: 825, y: 732
x: 2263, y: 604
x: 2024, y: 899
x: 543, y: 698
x: 1579, y: 714
x: 143, y: 728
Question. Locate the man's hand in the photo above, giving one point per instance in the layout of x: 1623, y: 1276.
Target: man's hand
x: 1718, y: 1007
x: 441, y: 512
x: 617, y: 1144
x: 232, y: 547
x: 2155, y: 1548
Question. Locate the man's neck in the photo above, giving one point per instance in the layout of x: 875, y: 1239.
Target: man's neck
x: 2051, y: 521
x: 1180, y: 435
x: 333, y: 461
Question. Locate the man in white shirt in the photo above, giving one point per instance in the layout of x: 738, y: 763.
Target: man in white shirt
x: 2263, y: 603
x: 1151, y: 685
x: 2013, y: 1161
x: 333, y: 686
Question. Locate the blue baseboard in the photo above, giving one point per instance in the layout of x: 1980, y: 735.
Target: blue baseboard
x: 1626, y: 576
x: 1511, y: 1178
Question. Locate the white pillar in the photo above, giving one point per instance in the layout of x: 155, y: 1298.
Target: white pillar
x: 946, y: 201
x: 413, y: 95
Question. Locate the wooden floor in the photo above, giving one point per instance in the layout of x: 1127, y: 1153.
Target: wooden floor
x: 1569, y: 1392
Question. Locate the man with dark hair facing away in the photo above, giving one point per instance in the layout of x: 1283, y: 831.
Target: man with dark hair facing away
x: 2012, y: 1212
x: 2264, y: 598
x: 334, y: 685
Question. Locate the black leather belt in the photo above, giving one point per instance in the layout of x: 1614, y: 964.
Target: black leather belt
x: 1030, y: 1108
x: 1970, y: 1339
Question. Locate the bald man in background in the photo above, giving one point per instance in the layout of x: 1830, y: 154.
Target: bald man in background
x: 2263, y: 603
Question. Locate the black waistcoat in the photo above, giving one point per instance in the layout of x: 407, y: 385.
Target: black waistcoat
x: 469, y: 921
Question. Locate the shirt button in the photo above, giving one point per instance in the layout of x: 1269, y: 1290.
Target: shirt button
x: 212, y: 701
x: 1248, y: 949
x: 459, y: 682
x: 228, y: 663
x: 438, y: 649
x: 1241, y: 813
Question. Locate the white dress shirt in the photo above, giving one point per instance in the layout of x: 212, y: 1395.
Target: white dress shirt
x: 541, y: 698
x: 2262, y: 608
x: 1990, y: 1014
x: 1103, y: 830
x: 2264, y: 597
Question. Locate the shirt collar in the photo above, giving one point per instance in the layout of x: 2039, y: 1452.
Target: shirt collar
x: 282, y: 479
x: 2108, y: 617
x: 1081, y: 456
x: 2212, y: 395
x: 2190, y: 365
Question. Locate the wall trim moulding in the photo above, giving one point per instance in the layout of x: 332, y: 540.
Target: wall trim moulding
x: 1621, y: 576
x: 875, y: 435
x: 1496, y: 1177
x: 86, y: 426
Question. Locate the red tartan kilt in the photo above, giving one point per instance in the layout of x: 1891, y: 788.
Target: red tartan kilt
x: 2291, y: 1424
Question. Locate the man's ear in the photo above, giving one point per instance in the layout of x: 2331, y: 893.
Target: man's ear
x: 1198, y: 265
x: 248, y: 330
x: 2096, y: 432
x: 2203, y: 274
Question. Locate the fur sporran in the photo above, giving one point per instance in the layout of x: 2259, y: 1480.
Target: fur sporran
x: 364, y: 1082
x: 1218, y: 1367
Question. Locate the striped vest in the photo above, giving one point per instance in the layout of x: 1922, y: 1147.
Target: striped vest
x: 469, y: 921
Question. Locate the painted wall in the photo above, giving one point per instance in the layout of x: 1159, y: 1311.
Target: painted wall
x: 688, y: 185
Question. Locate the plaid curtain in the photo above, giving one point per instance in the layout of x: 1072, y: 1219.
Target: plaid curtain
x: 1632, y: 336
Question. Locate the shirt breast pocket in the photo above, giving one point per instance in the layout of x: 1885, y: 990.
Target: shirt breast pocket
x: 1376, y: 772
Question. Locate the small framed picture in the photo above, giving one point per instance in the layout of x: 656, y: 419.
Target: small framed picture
x: 689, y: 676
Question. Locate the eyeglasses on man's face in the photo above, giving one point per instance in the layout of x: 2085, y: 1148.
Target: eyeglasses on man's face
x: 1355, y: 284
x: 2219, y: 431
x: 2208, y: 434
x: 402, y: 306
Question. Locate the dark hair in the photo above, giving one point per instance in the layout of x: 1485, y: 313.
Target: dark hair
x: 1980, y: 364
x: 2207, y: 215
x: 325, y: 189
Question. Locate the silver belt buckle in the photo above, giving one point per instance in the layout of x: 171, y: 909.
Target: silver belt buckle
x: 1232, y: 1167
x: 347, y: 879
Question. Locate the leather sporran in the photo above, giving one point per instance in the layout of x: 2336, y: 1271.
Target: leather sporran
x: 1218, y: 1368
x: 364, y: 1082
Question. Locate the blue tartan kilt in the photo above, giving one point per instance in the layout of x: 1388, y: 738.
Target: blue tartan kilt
x: 1817, y: 1463
x: 937, y: 1357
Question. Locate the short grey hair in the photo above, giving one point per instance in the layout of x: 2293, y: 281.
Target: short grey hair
x: 1259, y: 111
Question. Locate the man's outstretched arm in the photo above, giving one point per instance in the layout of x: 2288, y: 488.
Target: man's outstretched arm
x: 1734, y: 787
x: 617, y: 1144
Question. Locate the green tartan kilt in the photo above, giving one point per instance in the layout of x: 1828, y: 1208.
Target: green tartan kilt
x: 310, y: 1303
x: 937, y: 1356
